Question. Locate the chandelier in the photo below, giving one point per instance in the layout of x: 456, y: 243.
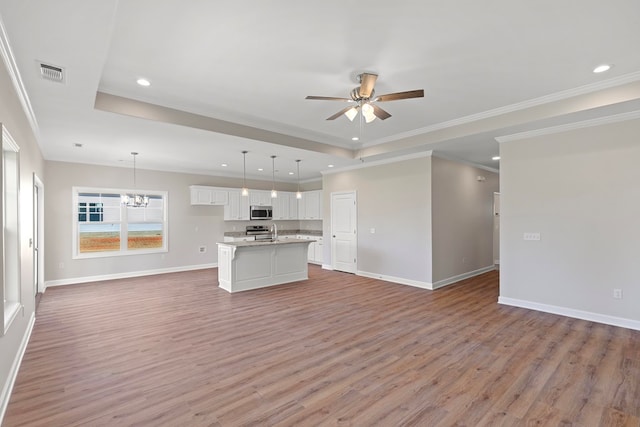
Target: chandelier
x: 134, y: 200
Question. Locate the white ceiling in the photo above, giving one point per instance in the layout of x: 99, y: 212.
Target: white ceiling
x: 229, y: 76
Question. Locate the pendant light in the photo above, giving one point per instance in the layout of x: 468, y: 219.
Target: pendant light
x: 298, y: 193
x: 245, y: 190
x: 134, y: 200
x: 274, y: 193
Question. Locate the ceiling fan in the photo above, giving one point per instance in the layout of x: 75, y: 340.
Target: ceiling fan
x: 364, y: 97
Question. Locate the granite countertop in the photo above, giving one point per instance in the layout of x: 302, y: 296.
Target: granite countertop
x: 264, y: 242
x: 280, y: 233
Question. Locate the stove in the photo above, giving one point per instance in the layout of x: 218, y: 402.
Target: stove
x: 261, y: 232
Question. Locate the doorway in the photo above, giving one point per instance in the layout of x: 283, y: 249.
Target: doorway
x: 344, y: 238
x: 496, y: 229
x: 38, y: 235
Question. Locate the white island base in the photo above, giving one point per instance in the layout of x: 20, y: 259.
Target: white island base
x: 251, y: 265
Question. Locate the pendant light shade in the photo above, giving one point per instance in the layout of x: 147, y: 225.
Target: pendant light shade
x: 245, y: 190
x: 134, y: 200
x: 274, y: 193
x: 298, y: 193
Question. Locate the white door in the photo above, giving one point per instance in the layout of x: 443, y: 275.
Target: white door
x: 38, y: 235
x: 344, y: 240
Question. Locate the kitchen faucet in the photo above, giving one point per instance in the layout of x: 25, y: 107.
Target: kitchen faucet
x: 274, y: 231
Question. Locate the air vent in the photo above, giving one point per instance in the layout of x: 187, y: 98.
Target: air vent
x: 51, y: 72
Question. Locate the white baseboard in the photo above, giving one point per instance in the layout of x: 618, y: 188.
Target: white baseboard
x: 459, y: 277
x: 7, y: 387
x: 327, y: 267
x: 399, y: 280
x: 570, y: 312
x: 87, y: 279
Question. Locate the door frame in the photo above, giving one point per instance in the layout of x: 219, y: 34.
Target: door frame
x: 331, y: 234
x: 38, y: 227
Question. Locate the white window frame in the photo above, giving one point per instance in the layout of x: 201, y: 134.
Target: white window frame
x: 10, y: 268
x: 123, y: 223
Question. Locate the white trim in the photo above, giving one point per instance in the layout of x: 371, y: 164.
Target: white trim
x: 399, y: 280
x: 9, y: 59
x: 554, y: 97
x: 103, y: 277
x: 631, y: 115
x: 327, y: 267
x: 7, y: 387
x: 570, y: 312
x: 459, y: 277
x: 379, y: 162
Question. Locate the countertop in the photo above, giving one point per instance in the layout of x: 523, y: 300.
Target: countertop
x: 264, y: 242
x: 317, y: 233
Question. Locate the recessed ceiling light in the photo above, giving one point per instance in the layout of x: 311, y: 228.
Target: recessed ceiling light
x: 330, y: 166
x: 143, y: 82
x: 495, y: 158
x: 260, y: 169
x: 355, y: 138
x: 224, y: 165
x: 290, y: 173
x: 602, y: 68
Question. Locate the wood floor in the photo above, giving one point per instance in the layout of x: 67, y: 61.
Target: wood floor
x: 337, y: 350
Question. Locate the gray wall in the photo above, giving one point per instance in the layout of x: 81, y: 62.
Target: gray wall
x: 580, y: 190
x: 462, y: 215
x: 395, y: 199
x: 31, y: 161
x: 189, y: 226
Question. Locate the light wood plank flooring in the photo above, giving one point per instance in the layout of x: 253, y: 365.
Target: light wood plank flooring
x: 337, y: 350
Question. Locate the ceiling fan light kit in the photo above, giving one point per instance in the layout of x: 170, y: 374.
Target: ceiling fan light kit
x: 364, y: 96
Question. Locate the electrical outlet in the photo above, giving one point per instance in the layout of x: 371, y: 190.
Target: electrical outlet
x: 372, y: 230
x: 61, y: 265
x: 202, y: 249
x: 531, y: 236
x: 617, y: 293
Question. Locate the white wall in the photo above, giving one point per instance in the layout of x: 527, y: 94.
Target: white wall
x: 395, y: 199
x: 462, y: 217
x: 14, y: 119
x: 580, y: 190
x: 189, y: 226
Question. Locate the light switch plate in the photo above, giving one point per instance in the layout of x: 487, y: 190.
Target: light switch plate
x: 531, y: 236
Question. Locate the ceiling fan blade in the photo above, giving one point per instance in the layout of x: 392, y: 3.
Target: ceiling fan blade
x: 339, y: 113
x: 328, y: 98
x: 400, y: 95
x: 367, y: 82
x: 380, y: 113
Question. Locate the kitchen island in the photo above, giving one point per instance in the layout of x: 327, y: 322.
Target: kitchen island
x: 256, y: 264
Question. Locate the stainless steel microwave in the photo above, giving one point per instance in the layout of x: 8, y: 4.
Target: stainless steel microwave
x: 260, y: 212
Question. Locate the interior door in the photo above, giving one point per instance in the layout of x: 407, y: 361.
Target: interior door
x: 344, y: 239
x: 38, y: 235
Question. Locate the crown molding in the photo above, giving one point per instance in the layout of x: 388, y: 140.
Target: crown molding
x: 16, y: 79
x: 554, y: 97
x: 631, y: 115
x: 364, y: 164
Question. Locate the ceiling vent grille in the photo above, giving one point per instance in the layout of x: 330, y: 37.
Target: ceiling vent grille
x: 51, y: 72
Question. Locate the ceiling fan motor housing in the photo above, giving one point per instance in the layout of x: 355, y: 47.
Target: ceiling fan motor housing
x: 355, y: 95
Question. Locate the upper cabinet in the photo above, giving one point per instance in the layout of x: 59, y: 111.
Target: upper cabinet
x: 203, y: 195
x: 310, y: 206
x: 260, y: 198
x: 285, y: 206
x: 238, y: 207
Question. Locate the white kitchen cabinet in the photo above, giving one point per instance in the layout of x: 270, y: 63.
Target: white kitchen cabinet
x: 238, y: 207
x: 203, y: 195
x: 314, y: 254
x: 260, y: 198
x: 310, y: 206
x: 285, y: 206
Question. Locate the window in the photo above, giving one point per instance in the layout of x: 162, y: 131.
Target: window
x: 10, y: 248
x: 103, y: 226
